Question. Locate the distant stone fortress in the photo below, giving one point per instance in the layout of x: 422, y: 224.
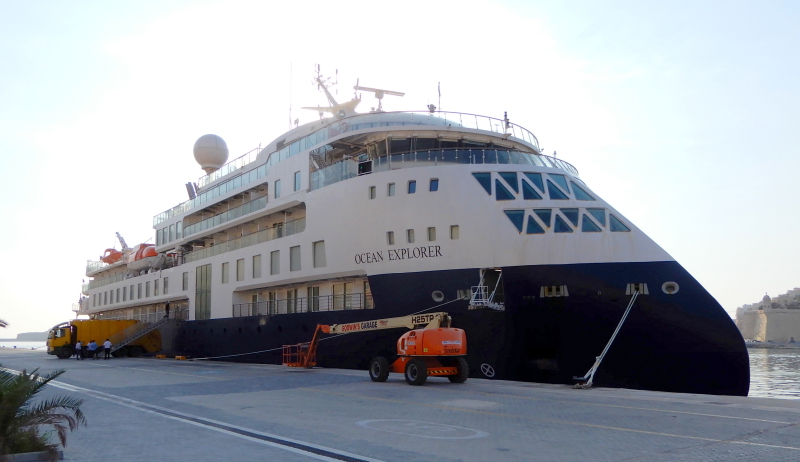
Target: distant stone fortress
x: 771, y: 320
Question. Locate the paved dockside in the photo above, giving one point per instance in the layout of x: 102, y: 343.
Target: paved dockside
x: 167, y: 410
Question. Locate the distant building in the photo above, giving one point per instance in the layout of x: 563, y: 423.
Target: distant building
x: 773, y: 319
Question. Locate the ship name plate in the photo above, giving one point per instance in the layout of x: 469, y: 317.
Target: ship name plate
x: 428, y: 251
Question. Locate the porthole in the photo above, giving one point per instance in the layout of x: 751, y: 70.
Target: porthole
x: 670, y: 288
x: 437, y: 296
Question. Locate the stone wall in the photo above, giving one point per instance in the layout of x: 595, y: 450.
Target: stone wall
x: 773, y: 319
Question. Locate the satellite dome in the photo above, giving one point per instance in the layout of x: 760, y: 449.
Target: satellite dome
x: 211, y: 152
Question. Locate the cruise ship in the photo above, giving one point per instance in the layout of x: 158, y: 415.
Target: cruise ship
x: 363, y: 216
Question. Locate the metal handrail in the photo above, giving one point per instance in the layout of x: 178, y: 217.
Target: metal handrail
x: 304, y: 305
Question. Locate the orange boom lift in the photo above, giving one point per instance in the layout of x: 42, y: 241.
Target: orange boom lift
x: 431, y: 349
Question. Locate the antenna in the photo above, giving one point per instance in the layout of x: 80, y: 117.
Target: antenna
x: 379, y: 93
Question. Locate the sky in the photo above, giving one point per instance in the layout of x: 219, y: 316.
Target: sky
x: 683, y: 115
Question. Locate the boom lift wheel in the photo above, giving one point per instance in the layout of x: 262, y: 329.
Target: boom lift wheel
x: 65, y: 352
x: 136, y: 351
x: 416, y: 372
x: 463, y: 371
x: 379, y: 369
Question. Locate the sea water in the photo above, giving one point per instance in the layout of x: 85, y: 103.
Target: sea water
x: 774, y: 373
x: 24, y: 345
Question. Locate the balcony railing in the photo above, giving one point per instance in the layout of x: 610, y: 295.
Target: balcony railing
x: 347, y: 169
x: 305, y: 305
x: 232, y: 214
x: 349, y: 124
x: 284, y: 229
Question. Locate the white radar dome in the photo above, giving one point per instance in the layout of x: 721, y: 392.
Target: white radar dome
x: 211, y: 152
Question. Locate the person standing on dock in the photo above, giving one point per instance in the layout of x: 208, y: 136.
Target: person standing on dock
x: 92, y: 347
x: 107, y: 349
x: 78, y: 350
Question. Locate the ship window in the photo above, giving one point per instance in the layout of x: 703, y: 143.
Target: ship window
x: 412, y: 187
x: 112, y: 297
x: 517, y: 217
x: 511, y: 179
x: 155, y: 288
x: 424, y: 143
x: 454, y: 232
x: 485, y: 179
x: 294, y: 258
x: 572, y: 215
x: 125, y: 291
x: 399, y: 145
x: 528, y: 193
x: 171, y: 233
x: 240, y: 269
x: 390, y: 237
x: 555, y: 193
x: 158, y: 237
x: 184, y: 283
x: 274, y: 262
x: 130, y: 291
x: 434, y: 184
x: 431, y: 234
x: 226, y: 269
x: 544, y: 215
x: 166, y: 288
x: 588, y: 225
x: 178, y: 229
x: 390, y: 190
x: 297, y: 181
x: 533, y: 227
x: 372, y: 192
x: 410, y: 235
x: 599, y: 215
x: 536, y: 178
x: 561, y: 180
x: 580, y: 193
x: 562, y: 226
x: 146, y: 289
x: 277, y: 188
x: 501, y: 193
x: 318, y: 249
x: 616, y: 224
x: 256, y: 266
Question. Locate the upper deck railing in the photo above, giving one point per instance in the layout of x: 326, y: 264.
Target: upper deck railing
x: 351, y: 124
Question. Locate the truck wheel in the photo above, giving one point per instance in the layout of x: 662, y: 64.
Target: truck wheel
x: 463, y: 371
x: 136, y: 351
x: 379, y: 369
x: 65, y: 353
x: 416, y: 372
x: 121, y: 353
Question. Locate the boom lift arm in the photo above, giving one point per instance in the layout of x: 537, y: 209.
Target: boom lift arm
x: 305, y: 354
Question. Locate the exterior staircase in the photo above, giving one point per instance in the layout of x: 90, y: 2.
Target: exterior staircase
x: 133, y: 333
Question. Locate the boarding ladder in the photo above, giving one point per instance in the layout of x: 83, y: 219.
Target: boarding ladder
x: 134, y: 332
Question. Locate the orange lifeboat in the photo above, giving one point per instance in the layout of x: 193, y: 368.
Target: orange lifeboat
x: 111, y: 256
x: 142, y: 256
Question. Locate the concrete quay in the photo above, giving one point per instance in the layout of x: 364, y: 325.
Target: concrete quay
x: 167, y: 410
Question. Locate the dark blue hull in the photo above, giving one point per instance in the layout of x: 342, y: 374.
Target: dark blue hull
x: 684, y: 342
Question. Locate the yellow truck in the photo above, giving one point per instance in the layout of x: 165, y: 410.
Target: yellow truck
x: 133, y: 336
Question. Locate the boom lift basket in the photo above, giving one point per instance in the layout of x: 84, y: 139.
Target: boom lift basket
x: 299, y: 355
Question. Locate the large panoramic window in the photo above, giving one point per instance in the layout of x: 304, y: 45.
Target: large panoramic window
x: 202, y: 301
x: 275, y: 262
x: 256, y: 266
x: 226, y: 269
x: 294, y: 258
x: 319, y: 254
x: 240, y: 269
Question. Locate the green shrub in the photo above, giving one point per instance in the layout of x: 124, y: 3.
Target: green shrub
x: 21, y: 420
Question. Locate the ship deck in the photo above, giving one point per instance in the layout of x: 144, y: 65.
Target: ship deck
x: 167, y: 410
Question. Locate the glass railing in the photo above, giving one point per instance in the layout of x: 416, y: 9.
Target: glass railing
x: 305, y: 305
x: 105, y: 281
x: 277, y: 232
x: 230, y: 167
x: 346, y: 169
x: 232, y: 214
x: 94, y: 265
x: 349, y: 124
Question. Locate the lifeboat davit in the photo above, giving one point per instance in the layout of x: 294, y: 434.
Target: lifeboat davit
x: 142, y: 257
x: 111, y: 256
